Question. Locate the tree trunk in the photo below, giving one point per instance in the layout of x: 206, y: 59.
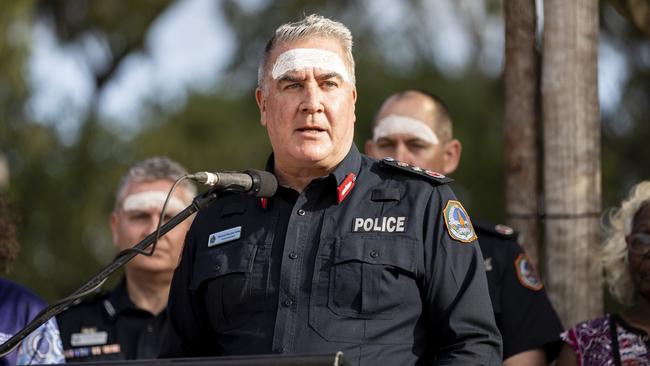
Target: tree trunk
x: 521, y: 156
x: 572, y: 158
x: 4, y: 173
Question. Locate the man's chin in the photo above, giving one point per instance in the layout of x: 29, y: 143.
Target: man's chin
x: 151, y: 266
x: 312, y: 156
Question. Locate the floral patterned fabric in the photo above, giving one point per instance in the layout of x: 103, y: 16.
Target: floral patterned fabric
x: 592, y: 342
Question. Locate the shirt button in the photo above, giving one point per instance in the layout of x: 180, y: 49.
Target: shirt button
x: 288, y: 302
x: 293, y: 255
x: 374, y: 253
x: 150, y: 328
x: 217, y: 267
x: 301, y: 212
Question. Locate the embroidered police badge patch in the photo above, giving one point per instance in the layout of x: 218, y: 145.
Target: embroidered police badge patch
x: 458, y: 223
x: 527, y: 273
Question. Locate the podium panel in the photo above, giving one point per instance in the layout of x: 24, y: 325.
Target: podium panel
x: 331, y: 359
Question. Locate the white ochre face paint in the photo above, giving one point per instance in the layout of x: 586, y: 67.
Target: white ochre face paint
x: 307, y: 58
x: 149, y: 200
x: 394, y: 124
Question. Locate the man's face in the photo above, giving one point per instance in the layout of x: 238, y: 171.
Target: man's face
x: 137, y: 216
x: 308, y: 108
x: 409, y: 134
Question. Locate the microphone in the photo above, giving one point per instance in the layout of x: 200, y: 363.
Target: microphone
x: 256, y: 183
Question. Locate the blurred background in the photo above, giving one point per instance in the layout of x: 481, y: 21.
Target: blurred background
x: 87, y: 87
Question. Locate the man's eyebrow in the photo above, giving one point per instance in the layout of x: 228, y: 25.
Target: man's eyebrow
x: 417, y: 139
x: 289, y: 79
x: 329, y: 75
x: 385, y: 139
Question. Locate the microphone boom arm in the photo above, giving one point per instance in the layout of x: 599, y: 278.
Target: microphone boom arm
x: 198, y: 203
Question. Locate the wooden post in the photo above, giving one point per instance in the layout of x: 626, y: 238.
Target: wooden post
x: 572, y: 158
x: 4, y: 173
x: 520, y: 127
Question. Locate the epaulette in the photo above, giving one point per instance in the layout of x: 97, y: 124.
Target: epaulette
x: 498, y: 230
x: 428, y: 174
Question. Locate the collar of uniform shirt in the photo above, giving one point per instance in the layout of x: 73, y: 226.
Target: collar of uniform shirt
x: 350, y: 164
x: 119, y: 299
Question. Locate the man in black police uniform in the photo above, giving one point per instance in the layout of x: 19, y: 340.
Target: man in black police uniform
x: 126, y: 323
x: 415, y: 127
x: 373, y: 259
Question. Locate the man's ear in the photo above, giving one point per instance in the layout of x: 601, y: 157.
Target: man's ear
x: 354, y: 103
x: 451, y: 150
x: 370, y: 148
x: 261, y: 104
x: 113, y: 224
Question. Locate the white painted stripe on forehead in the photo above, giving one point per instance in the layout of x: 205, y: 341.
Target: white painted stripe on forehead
x: 395, y: 124
x: 148, y: 200
x: 306, y: 58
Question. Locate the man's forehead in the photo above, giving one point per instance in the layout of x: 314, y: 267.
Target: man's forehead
x: 396, y: 137
x: 397, y: 124
x: 293, y: 60
x: 299, y: 75
x: 151, y: 200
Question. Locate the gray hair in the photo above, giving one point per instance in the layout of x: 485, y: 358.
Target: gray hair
x: 615, y: 254
x: 312, y: 26
x: 153, y: 169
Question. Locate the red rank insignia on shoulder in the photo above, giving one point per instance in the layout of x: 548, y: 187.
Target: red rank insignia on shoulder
x: 346, y: 186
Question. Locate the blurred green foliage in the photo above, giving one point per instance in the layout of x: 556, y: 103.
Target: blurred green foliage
x: 65, y: 189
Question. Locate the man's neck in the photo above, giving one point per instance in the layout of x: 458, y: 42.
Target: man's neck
x: 148, y: 292
x: 299, y: 178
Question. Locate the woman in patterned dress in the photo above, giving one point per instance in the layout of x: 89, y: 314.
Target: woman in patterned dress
x: 620, y: 339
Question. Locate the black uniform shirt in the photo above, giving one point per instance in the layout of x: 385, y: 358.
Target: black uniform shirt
x: 361, y: 261
x: 111, y: 327
x: 522, y: 310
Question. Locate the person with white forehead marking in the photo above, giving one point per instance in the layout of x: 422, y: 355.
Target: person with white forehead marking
x: 127, y: 322
x: 415, y: 127
x: 372, y: 259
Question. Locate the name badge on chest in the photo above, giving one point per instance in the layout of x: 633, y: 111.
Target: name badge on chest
x: 224, y: 236
x: 88, y: 339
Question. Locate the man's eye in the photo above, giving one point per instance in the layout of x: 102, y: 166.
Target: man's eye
x: 330, y: 84
x: 291, y: 86
x: 417, y: 146
x: 385, y: 145
x: 139, y: 216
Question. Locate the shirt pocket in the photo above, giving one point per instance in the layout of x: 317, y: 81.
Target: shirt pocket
x: 222, y: 278
x: 367, y: 275
x: 365, y: 288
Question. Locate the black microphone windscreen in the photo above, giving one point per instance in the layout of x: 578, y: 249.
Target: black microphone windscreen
x: 268, y: 183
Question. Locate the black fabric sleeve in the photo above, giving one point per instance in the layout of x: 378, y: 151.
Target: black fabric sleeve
x: 527, y: 321
x: 189, y: 322
x: 457, y: 301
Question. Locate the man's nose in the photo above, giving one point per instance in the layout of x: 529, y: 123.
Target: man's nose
x: 403, y: 154
x: 152, y: 224
x: 312, y: 99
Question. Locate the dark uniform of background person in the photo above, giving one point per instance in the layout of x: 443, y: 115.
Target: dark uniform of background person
x: 372, y: 259
x: 525, y: 317
x: 127, y: 323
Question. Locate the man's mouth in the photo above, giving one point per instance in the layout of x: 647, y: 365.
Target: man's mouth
x: 313, y: 130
